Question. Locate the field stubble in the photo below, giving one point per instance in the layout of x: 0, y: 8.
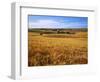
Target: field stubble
x: 50, y: 49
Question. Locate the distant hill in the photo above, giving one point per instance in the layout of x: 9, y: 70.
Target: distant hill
x: 56, y: 29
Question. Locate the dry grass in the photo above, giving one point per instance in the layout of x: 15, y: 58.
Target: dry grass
x: 57, y: 49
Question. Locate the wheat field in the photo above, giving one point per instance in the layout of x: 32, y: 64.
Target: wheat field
x: 57, y: 49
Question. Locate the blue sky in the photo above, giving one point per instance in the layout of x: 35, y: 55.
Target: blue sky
x: 38, y: 21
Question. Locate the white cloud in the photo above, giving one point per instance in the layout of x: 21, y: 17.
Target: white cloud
x: 44, y: 24
x: 53, y: 24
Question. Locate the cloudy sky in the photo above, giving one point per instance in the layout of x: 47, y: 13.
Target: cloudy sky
x: 38, y: 21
